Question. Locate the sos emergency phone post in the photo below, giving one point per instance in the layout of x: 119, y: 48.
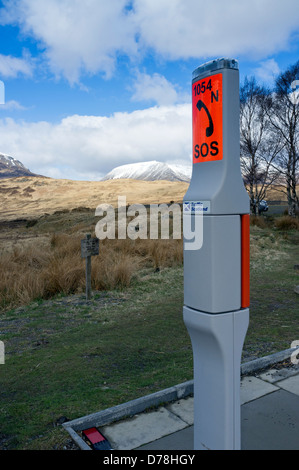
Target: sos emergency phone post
x: 216, y: 276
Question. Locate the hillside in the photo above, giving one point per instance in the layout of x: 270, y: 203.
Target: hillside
x: 30, y: 197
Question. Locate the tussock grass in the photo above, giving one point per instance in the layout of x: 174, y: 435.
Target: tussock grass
x: 42, y: 270
x: 47, y: 265
x: 258, y: 221
x: 287, y: 223
x: 111, y: 270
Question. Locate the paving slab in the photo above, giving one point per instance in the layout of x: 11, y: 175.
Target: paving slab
x: 143, y: 428
x: 274, y: 375
x: 181, y: 440
x: 184, y: 409
x: 253, y: 388
x: 291, y: 384
x: 270, y: 422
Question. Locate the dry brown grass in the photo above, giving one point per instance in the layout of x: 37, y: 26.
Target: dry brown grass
x: 19, y: 274
x: 39, y: 264
x: 42, y: 270
x: 51, y: 263
x: 258, y: 221
x: 51, y: 195
x: 287, y: 223
x: 113, y: 270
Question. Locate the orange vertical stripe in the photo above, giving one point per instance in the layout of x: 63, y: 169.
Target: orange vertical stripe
x: 245, y: 261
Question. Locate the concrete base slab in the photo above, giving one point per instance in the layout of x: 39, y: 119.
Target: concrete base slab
x: 143, y: 428
x: 159, y: 427
x: 184, y: 409
x: 274, y: 375
x: 268, y: 423
x: 291, y: 384
x: 182, y: 440
x: 253, y: 388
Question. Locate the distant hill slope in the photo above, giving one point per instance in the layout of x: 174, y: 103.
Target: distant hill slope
x: 12, y: 168
x: 151, y: 171
x: 31, y: 197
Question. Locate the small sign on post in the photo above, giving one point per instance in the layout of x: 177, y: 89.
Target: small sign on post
x: 89, y: 248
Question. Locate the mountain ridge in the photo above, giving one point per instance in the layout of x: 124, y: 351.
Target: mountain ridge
x: 150, y: 171
x: 145, y: 171
x: 12, y: 168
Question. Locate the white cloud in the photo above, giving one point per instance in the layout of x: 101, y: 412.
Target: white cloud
x: 154, y: 88
x: 11, y: 67
x: 267, y: 70
x: 12, y: 105
x: 197, y: 28
x: 79, y: 38
x: 93, y: 145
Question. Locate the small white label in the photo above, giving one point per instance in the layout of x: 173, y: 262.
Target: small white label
x: 196, y: 207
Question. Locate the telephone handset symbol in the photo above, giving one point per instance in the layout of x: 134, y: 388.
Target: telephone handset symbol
x: 210, y: 128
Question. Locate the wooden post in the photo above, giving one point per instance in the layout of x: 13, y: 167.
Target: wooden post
x: 88, y: 272
x: 89, y: 248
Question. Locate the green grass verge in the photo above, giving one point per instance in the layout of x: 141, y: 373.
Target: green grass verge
x: 64, y: 358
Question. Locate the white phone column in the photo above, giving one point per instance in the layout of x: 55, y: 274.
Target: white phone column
x: 216, y: 274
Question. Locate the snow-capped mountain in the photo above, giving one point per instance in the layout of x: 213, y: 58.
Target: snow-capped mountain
x: 151, y: 171
x: 11, y: 168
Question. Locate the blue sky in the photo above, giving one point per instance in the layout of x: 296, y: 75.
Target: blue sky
x: 96, y: 84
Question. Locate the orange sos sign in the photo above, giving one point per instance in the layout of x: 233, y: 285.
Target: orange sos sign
x: 207, y: 119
